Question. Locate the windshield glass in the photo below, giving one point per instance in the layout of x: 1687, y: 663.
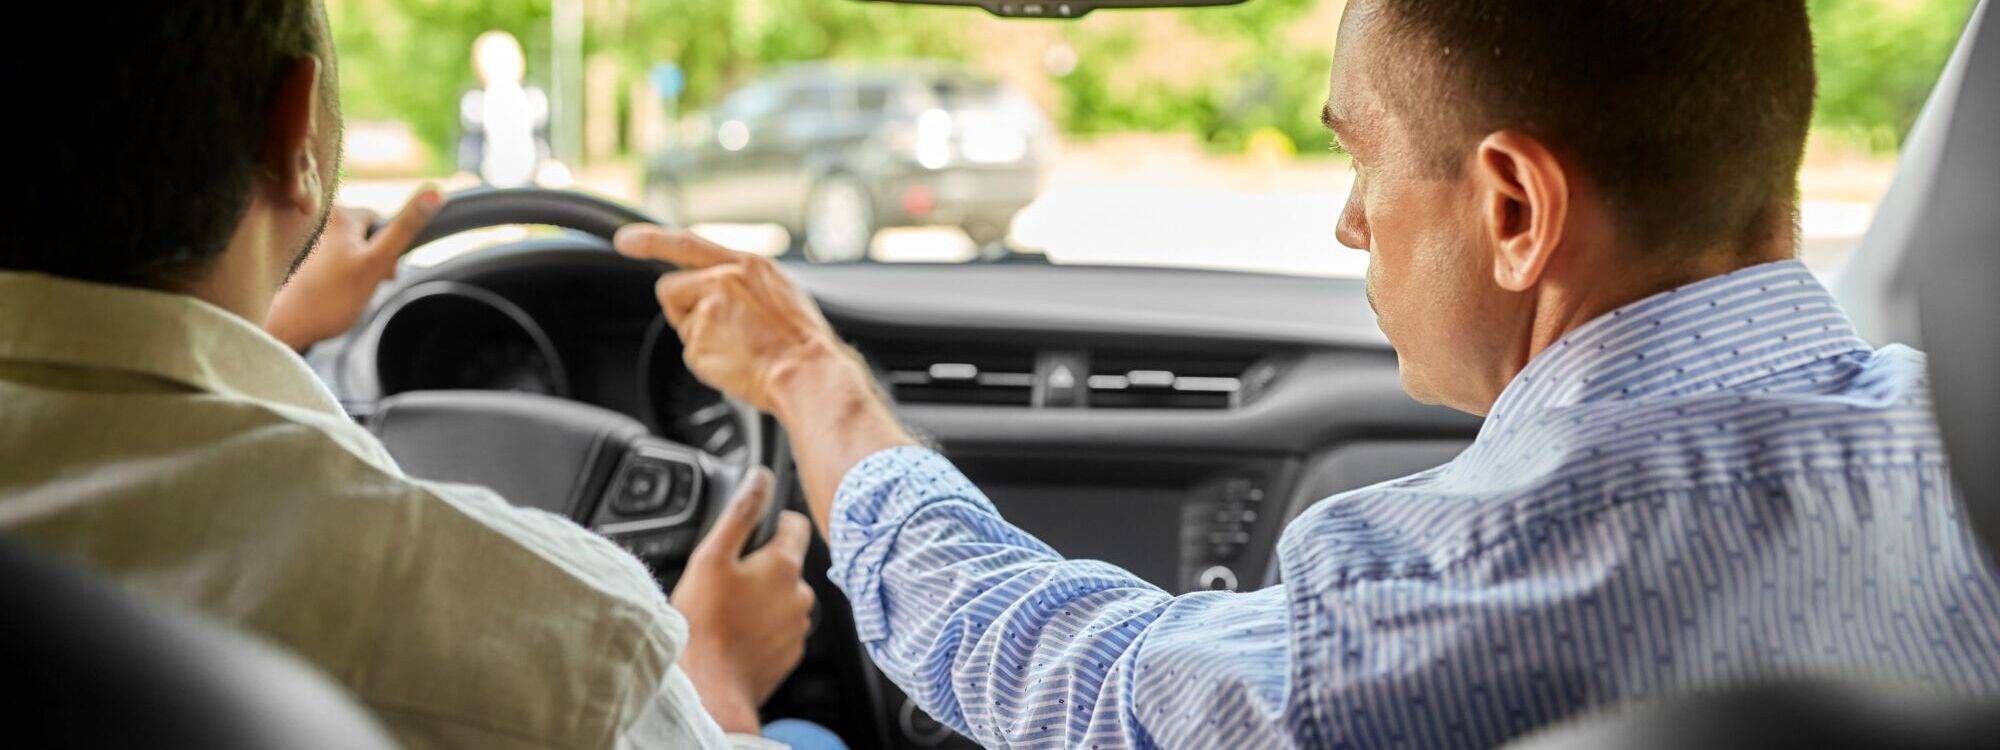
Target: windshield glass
x: 832, y: 131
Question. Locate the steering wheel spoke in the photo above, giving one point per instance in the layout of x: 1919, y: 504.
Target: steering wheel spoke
x: 654, y: 497
x: 658, y: 499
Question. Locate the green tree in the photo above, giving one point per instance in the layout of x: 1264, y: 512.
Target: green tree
x: 408, y: 59
x: 411, y: 59
x: 1877, y: 62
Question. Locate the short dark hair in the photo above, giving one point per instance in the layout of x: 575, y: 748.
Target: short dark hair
x: 1690, y: 115
x: 142, y: 126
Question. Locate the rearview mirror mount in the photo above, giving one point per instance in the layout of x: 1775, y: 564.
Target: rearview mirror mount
x: 1061, y: 8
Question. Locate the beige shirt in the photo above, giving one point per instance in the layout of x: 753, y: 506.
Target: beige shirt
x: 183, y: 452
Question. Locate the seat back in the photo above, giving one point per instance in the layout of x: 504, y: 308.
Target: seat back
x: 1956, y: 264
x: 1808, y: 714
x: 86, y: 665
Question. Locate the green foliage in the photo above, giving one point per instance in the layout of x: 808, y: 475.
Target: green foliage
x: 1877, y: 61
x: 1094, y: 103
x: 409, y: 59
x: 1260, y: 80
x: 719, y: 43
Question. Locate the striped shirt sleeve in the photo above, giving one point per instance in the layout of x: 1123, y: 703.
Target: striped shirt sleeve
x: 996, y: 635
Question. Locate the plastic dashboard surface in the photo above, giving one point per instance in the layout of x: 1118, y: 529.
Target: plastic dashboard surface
x: 1339, y: 381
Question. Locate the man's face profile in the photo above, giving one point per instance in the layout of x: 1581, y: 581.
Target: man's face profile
x: 1427, y: 281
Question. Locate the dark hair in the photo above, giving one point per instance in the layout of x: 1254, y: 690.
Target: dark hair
x: 1690, y: 115
x: 141, y: 124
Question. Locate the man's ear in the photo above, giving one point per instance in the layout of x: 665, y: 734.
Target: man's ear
x: 291, y: 163
x: 1524, y: 194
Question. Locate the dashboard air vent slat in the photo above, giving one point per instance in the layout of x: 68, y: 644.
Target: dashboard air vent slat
x: 958, y: 373
x: 1140, y: 380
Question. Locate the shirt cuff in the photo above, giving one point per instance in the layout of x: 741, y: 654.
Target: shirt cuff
x: 874, y: 500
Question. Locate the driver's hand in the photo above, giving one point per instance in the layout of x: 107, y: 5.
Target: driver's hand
x: 330, y: 289
x: 747, y: 616
x: 741, y: 320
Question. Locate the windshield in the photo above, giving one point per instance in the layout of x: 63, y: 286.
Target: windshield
x: 835, y: 132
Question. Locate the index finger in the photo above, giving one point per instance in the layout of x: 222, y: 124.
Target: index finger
x: 680, y: 248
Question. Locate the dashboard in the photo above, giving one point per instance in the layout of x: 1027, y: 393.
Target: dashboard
x: 1168, y: 421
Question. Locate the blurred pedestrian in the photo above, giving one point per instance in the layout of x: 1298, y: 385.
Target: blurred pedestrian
x: 505, y: 122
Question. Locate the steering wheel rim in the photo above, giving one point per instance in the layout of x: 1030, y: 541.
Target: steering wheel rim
x: 482, y: 207
x: 717, y: 478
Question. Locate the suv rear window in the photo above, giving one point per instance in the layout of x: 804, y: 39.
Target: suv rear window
x: 968, y: 94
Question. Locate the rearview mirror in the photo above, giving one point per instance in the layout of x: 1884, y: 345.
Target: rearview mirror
x: 1061, y: 8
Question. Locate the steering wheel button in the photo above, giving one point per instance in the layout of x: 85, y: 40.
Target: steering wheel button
x: 1236, y: 490
x: 644, y: 488
x: 657, y: 545
x: 641, y: 485
x: 675, y: 502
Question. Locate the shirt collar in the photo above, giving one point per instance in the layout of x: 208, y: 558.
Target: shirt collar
x: 55, y: 321
x: 1712, y: 335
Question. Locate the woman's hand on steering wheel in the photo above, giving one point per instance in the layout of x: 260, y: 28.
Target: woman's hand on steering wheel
x: 748, y: 615
x: 332, y: 284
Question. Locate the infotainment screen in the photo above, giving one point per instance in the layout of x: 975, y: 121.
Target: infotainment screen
x: 1135, y: 528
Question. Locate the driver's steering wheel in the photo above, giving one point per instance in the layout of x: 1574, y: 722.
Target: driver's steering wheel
x: 603, y: 469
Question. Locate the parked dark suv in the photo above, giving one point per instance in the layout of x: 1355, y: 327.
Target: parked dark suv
x: 833, y: 154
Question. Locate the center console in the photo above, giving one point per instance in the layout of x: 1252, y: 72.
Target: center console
x: 1183, y: 523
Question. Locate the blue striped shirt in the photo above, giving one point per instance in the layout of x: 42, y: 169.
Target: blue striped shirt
x: 1715, y: 483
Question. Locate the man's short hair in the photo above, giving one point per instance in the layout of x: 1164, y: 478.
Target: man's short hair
x: 1690, y: 115
x: 139, y: 127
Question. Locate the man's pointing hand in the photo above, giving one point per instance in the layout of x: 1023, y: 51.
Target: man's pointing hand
x: 741, y: 321
x: 747, y: 331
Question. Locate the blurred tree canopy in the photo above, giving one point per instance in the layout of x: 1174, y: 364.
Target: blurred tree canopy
x: 1223, y: 74
x: 1253, y: 76
x: 410, y: 60
x: 1878, y: 60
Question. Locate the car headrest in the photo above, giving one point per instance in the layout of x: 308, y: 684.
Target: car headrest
x: 88, y: 665
x: 1931, y: 262
x: 1958, y: 310
x: 1820, y: 712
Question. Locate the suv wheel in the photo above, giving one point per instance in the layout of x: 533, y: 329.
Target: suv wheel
x: 986, y: 238
x: 840, y: 221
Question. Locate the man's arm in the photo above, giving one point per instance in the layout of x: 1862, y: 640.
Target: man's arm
x: 747, y: 331
x: 1003, y: 639
x: 835, y: 418
x: 989, y: 629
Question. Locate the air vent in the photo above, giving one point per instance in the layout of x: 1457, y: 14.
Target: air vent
x: 956, y: 373
x: 1137, y: 380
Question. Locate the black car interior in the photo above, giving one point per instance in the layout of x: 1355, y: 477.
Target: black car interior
x: 1169, y: 421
